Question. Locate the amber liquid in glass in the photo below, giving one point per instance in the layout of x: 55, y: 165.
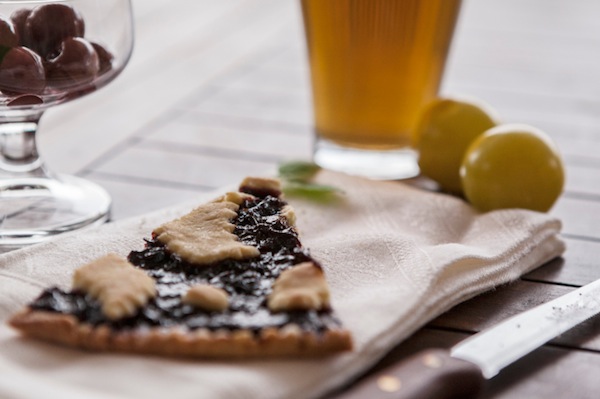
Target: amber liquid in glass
x: 374, y: 65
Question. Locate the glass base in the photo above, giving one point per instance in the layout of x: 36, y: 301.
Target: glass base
x: 35, y: 209
x: 374, y: 164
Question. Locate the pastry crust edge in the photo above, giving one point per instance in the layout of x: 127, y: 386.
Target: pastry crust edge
x: 287, y: 341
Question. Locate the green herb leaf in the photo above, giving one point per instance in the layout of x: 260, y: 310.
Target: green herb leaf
x: 296, y: 177
x: 301, y: 171
x: 315, y: 192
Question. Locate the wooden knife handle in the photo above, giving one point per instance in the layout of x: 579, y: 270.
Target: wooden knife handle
x: 431, y: 374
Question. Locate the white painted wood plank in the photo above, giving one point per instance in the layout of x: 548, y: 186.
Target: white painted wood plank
x: 79, y: 132
x: 194, y: 170
x: 271, y: 105
x: 270, y: 141
x: 134, y: 197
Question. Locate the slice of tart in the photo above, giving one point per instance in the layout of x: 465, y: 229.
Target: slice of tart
x: 229, y: 279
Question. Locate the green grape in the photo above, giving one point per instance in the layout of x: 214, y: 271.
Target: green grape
x: 512, y: 166
x: 445, y: 130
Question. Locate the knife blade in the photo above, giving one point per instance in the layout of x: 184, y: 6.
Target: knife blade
x: 462, y: 371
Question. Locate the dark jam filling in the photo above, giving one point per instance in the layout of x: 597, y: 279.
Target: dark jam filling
x: 248, y: 282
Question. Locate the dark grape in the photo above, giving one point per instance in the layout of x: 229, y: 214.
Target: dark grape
x: 25, y: 99
x: 8, y: 35
x: 18, y: 19
x: 49, y: 25
x: 21, y: 72
x: 77, y: 63
x: 104, y: 57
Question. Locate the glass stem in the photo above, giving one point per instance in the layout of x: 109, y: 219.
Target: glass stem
x: 18, y: 148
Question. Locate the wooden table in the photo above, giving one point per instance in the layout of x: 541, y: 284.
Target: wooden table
x: 217, y: 90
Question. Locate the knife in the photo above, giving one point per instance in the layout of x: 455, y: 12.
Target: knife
x: 462, y: 371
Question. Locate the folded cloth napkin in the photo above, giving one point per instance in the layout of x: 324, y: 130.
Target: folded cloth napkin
x: 395, y: 257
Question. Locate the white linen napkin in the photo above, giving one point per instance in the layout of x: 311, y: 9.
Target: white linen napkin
x: 395, y: 258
